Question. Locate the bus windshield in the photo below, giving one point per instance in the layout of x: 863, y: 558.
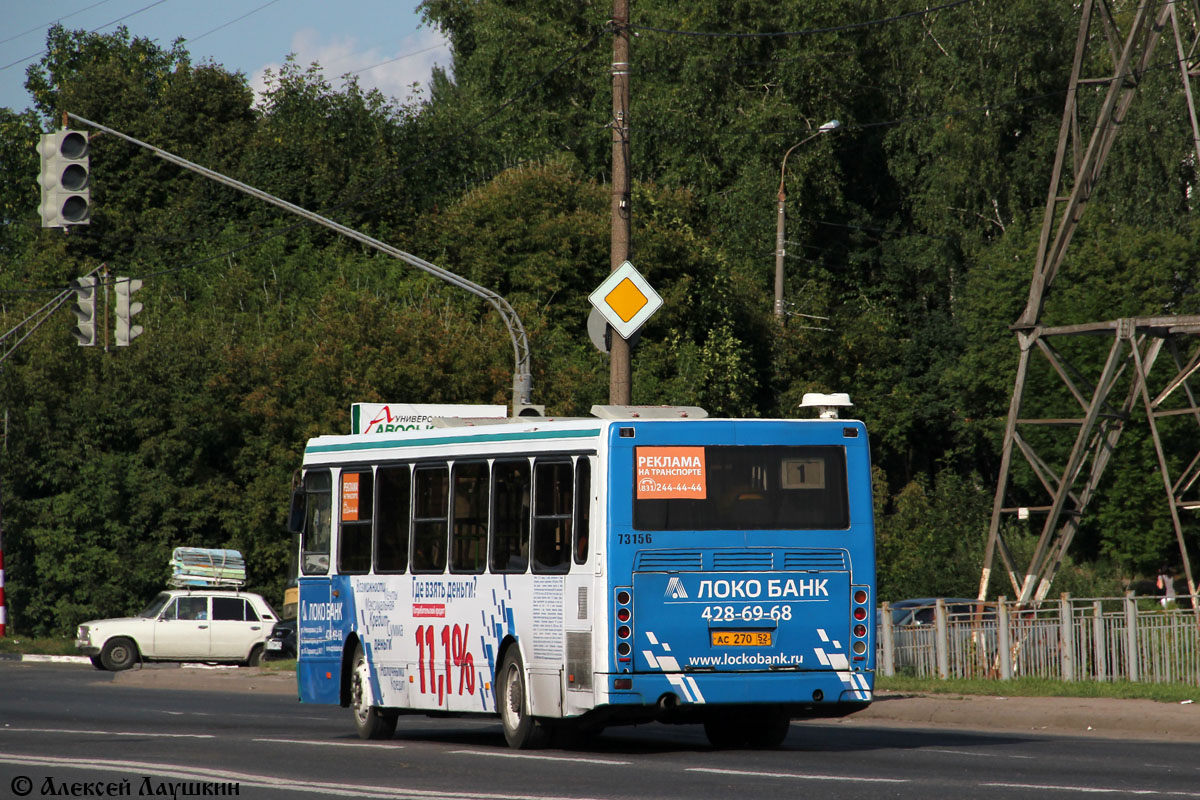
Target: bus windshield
x: 738, y: 488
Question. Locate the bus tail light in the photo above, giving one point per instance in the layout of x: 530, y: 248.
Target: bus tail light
x: 860, y: 611
x: 623, y: 630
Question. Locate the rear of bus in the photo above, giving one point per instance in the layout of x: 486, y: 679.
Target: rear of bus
x: 741, y: 574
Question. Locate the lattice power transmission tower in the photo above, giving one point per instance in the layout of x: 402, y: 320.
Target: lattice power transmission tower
x: 1151, y: 361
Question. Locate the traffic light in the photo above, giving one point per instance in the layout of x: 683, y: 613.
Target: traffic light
x: 125, y: 287
x: 85, y: 310
x: 65, y: 179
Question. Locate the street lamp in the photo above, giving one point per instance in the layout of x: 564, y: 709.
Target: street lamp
x: 832, y: 125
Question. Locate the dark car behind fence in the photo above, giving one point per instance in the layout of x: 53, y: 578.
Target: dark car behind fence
x: 1070, y: 639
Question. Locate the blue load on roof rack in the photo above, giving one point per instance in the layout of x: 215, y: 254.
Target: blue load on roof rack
x: 200, y: 566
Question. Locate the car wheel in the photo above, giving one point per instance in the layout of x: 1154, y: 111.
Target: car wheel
x: 371, y: 721
x: 256, y: 656
x: 521, y: 730
x: 119, y: 653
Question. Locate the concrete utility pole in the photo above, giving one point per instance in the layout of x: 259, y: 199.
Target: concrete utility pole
x: 620, y: 384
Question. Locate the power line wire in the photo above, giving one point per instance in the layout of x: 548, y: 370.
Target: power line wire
x: 232, y: 21
x: 398, y: 58
x: 51, y: 22
x: 93, y: 30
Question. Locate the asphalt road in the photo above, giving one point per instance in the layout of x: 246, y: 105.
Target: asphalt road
x: 70, y: 731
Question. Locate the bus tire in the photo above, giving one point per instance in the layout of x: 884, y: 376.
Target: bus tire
x: 767, y: 729
x: 119, y: 653
x: 372, y: 722
x: 521, y: 730
x: 725, y: 731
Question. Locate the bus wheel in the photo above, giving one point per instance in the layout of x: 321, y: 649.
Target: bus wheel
x: 768, y: 729
x: 371, y: 721
x: 521, y: 730
x: 725, y: 731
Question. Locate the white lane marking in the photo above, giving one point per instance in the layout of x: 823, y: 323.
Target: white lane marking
x: 977, y: 755
x: 1045, y: 787
x: 142, y: 769
x: 376, y: 746
x: 7, y: 729
x: 797, y: 776
x: 498, y: 754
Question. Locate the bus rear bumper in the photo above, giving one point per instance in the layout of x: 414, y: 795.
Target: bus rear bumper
x: 684, y: 697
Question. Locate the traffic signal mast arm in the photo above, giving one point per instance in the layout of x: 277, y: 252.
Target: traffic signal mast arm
x: 34, y: 321
x: 522, y: 378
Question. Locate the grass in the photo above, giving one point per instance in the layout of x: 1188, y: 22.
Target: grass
x: 1042, y: 687
x: 47, y: 646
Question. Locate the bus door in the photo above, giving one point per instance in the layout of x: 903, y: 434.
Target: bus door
x: 319, y: 618
x: 318, y: 642
x: 580, y: 595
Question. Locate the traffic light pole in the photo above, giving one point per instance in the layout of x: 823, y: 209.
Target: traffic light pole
x: 522, y: 378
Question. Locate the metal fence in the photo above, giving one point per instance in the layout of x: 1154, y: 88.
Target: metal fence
x: 1093, y: 639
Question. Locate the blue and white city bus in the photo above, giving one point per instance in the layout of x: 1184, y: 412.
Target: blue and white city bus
x: 570, y: 574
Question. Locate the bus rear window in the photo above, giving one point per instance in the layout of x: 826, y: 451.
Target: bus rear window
x: 740, y: 488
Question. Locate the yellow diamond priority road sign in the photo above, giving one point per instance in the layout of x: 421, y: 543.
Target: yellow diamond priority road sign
x: 625, y: 300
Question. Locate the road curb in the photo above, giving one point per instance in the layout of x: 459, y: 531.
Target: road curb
x: 45, y: 659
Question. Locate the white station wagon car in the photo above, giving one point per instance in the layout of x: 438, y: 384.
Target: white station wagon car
x: 214, y: 625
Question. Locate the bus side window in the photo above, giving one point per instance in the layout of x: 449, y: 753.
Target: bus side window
x: 315, y: 542
x: 431, y: 518
x: 468, y: 534
x: 553, y: 489
x: 354, y: 542
x: 510, y: 516
x: 583, y: 507
x: 392, y: 503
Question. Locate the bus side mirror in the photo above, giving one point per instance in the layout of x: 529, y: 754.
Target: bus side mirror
x: 296, y: 513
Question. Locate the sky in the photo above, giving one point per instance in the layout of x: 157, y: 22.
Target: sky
x: 382, y: 41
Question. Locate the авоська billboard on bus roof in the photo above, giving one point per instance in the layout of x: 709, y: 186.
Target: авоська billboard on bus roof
x: 409, y: 417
